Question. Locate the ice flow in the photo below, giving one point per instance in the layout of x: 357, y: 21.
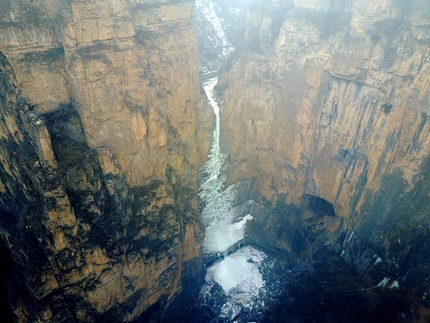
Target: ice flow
x: 238, y: 274
x: 221, y: 231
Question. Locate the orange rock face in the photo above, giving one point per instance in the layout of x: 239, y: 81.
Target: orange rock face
x: 332, y: 100
x: 107, y: 104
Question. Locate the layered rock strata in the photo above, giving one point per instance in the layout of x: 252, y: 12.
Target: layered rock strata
x: 330, y: 99
x: 100, y: 145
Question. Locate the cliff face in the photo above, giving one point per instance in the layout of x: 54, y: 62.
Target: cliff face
x: 330, y: 99
x: 99, y: 117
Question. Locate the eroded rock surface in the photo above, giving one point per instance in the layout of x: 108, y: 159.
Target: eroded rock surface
x: 331, y: 99
x: 100, y: 110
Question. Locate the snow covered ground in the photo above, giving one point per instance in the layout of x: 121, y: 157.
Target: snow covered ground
x: 240, y: 278
x: 239, y: 270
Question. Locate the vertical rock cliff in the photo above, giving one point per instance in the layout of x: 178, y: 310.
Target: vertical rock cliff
x: 329, y: 102
x: 99, y: 115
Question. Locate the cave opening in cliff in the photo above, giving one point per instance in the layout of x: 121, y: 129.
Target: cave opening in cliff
x: 319, y: 205
x: 6, y: 266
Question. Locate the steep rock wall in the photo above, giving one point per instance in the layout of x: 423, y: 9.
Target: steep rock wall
x: 101, y: 138
x: 331, y: 99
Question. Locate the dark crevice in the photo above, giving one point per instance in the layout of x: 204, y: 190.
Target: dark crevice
x: 320, y: 206
x: 7, y: 263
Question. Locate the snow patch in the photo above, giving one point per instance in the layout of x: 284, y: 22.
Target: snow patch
x: 394, y: 284
x: 239, y: 271
x: 239, y: 276
x: 377, y: 261
x: 383, y: 282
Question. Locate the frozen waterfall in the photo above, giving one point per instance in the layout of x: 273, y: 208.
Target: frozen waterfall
x: 221, y: 231
x: 238, y: 273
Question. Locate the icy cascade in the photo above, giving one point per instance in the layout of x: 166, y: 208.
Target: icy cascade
x: 238, y: 274
x: 221, y: 231
x: 210, y: 14
x: 211, y: 189
x: 212, y: 186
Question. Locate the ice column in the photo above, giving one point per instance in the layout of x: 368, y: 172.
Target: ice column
x: 212, y: 186
x: 221, y: 231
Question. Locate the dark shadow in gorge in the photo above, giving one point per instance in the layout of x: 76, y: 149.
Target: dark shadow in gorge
x: 331, y: 291
x: 313, y: 284
x: 334, y: 292
x: 6, y: 262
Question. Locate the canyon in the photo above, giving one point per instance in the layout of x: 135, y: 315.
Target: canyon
x: 324, y: 150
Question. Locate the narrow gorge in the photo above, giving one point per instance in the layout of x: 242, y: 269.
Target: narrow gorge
x: 215, y: 161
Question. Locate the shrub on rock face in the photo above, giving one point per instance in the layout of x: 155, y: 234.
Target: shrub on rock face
x: 386, y: 107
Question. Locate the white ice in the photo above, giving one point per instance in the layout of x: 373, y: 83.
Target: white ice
x: 394, y: 284
x: 377, y: 261
x: 239, y: 276
x: 383, y: 282
x: 221, y: 231
x: 226, y: 235
x: 236, y: 272
x: 209, y: 87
